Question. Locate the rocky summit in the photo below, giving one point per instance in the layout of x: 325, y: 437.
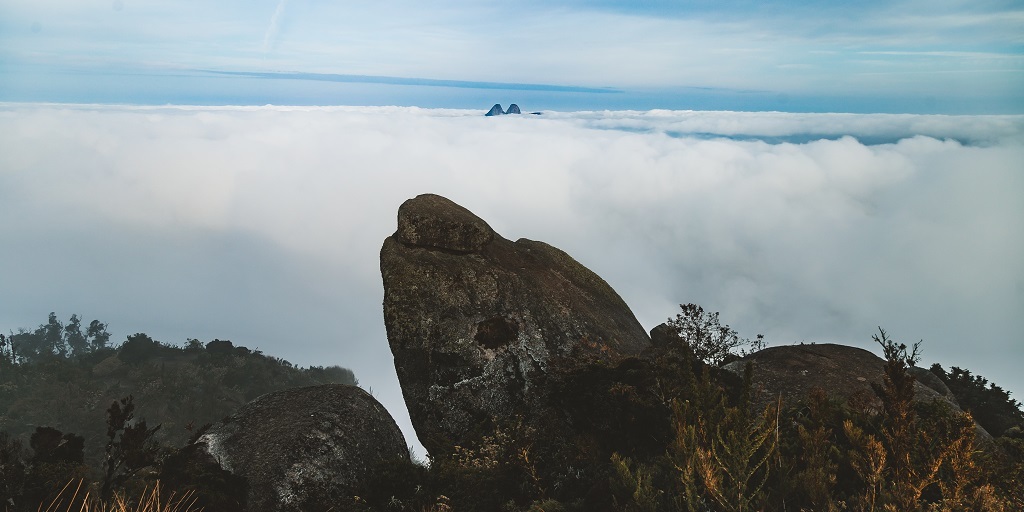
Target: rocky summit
x: 304, y: 447
x: 481, y: 326
x: 495, y: 111
x: 793, y: 370
x: 845, y: 373
x: 513, y: 109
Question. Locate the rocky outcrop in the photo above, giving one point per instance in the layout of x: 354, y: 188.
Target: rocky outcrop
x: 513, y: 109
x: 845, y: 373
x: 481, y: 326
x: 495, y: 111
x: 303, y: 448
x: 793, y: 370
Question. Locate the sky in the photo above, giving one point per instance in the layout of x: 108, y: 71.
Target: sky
x: 905, y: 56
x: 263, y: 225
x: 229, y: 169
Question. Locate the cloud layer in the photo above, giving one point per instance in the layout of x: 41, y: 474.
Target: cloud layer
x: 262, y: 225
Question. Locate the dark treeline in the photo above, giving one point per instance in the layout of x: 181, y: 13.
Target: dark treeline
x: 58, y: 382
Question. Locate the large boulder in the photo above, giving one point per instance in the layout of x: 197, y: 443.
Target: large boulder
x: 791, y: 371
x: 480, y: 327
x: 304, y: 448
x: 845, y: 373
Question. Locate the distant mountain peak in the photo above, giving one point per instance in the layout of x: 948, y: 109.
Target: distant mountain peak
x: 497, y: 111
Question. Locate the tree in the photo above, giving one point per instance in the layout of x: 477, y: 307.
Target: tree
x: 54, y: 339
x: 221, y: 348
x: 12, y: 469
x: 709, y: 340
x: 97, y: 335
x: 989, y: 404
x: 907, y: 475
x: 130, y: 445
x: 138, y: 348
x: 53, y: 446
x: 76, y: 342
x: 7, y: 356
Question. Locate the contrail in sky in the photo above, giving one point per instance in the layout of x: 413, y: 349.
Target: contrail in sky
x: 275, y: 26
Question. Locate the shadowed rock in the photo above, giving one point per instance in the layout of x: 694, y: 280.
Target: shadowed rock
x: 480, y: 326
x: 495, y: 111
x: 845, y: 373
x: 793, y: 370
x: 304, y: 448
x: 513, y: 109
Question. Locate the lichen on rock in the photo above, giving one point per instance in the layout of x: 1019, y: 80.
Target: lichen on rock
x: 480, y: 326
x: 304, y: 446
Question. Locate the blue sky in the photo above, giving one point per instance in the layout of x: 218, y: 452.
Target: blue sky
x: 914, y: 56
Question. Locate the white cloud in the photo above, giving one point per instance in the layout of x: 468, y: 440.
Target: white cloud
x: 263, y: 225
x: 776, y: 48
x: 270, y: 37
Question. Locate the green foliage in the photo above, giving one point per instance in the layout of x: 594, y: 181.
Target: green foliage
x: 635, y: 486
x: 50, y: 445
x: 178, y: 388
x: 188, y: 471
x: 54, y: 339
x: 989, y: 404
x: 810, y: 455
x: 139, y: 348
x: 130, y: 446
x: 666, y: 431
x: 909, y: 470
x: 709, y: 340
x: 56, y: 460
x: 721, y: 452
x: 12, y: 469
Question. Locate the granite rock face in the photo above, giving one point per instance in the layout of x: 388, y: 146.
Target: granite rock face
x: 480, y: 326
x: 304, y: 448
x: 495, y: 111
x: 844, y: 372
x: 793, y: 370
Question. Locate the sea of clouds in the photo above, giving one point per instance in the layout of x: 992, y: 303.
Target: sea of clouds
x: 262, y: 225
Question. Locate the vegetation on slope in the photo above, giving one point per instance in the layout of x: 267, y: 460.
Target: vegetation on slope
x: 684, y: 436
x: 68, y: 398
x: 670, y: 431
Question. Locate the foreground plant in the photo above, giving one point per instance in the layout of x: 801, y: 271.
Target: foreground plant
x: 72, y: 499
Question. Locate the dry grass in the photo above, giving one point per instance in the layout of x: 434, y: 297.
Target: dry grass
x: 71, y: 499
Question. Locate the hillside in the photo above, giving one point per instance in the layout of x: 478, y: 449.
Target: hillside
x: 54, y: 376
x: 677, y: 426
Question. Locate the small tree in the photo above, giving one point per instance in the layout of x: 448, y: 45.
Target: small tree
x: 97, y: 335
x: 7, y: 356
x: 130, y: 446
x: 908, y: 476
x: 74, y: 339
x: 710, y: 341
x: 12, y: 469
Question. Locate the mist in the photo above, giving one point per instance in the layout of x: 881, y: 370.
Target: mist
x: 263, y: 225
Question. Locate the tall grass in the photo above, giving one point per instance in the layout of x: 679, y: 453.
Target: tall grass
x: 72, y: 499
